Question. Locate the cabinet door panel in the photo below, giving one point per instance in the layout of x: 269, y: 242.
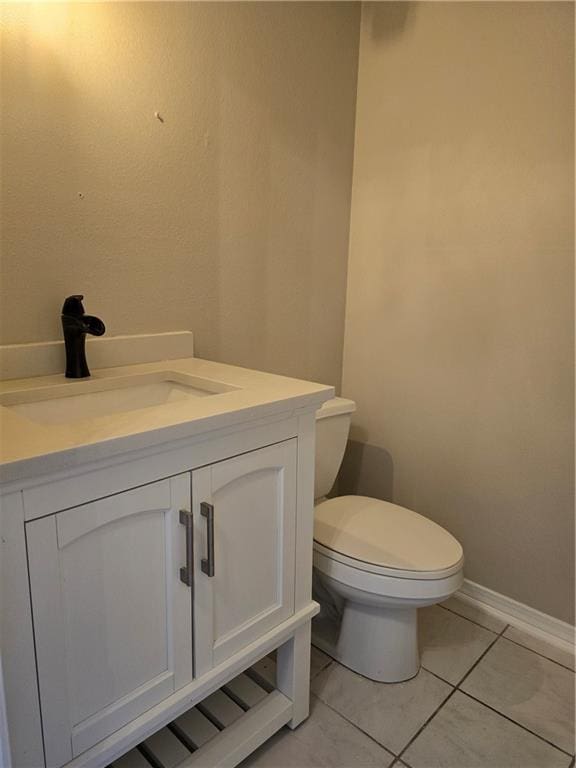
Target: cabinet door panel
x: 252, y: 590
x: 249, y: 576
x: 112, y: 619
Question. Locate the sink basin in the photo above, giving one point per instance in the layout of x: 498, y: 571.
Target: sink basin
x: 78, y: 400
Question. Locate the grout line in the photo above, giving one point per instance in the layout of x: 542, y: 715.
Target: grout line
x: 452, y: 692
x: 319, y: 672
x: 457, y: 688
x: 506, y: 717
x: 437, y: 676
x: 539, y: 653
x: 423, y: 726
x: 321, y: 669
x: 472, y: 621
x: 364, y: 677
x: 479, y: 659
x: 356, y: 726
x: 501, y: 633
x: 510, y: 720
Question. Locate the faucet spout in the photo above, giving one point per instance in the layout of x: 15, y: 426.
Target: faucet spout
x: 76, y: 324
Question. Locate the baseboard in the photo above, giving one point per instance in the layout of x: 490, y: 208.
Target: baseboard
x: 548, y: 628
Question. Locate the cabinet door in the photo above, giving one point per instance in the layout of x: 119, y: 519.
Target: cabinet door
x: 245, y: 585
x: 112, y: 619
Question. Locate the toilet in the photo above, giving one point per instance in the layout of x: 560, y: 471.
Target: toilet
x: 375, y: 564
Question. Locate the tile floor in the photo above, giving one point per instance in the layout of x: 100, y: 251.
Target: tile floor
x: 487, y: 696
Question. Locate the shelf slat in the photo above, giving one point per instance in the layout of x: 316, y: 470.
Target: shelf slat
x: 221, y: 730
x: 220, y: 709
x: 166, y: 748
x: 244, y: 691
x: 264, y: 673
x: 245, y: 735
x: 132, y: 759
x: 194, y: 728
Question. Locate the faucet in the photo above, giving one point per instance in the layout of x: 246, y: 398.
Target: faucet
x: 76, y: 325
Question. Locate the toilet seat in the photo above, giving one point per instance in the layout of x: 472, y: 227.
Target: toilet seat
x: 391, y: 587
x: 384, y: 539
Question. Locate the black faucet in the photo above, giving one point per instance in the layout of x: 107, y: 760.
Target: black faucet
x: 76, y: 325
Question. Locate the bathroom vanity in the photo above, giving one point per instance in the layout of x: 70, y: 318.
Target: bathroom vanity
x: 156, y: 541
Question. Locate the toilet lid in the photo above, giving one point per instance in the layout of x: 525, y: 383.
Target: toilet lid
x: 384, y: 534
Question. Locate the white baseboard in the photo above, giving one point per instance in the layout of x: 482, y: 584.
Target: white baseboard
x: 23, y: 361
x: 552, y: 630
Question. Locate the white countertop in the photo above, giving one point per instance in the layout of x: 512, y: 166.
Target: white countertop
x: 29, y: 448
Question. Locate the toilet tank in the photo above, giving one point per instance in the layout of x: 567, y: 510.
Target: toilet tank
x: 332, y: 428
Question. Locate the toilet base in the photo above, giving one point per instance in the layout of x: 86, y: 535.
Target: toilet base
x: 378, y: 642
x: 369, y: 622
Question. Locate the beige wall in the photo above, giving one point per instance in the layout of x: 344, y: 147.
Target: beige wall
x: 459, y: 344
x: 230, y: 217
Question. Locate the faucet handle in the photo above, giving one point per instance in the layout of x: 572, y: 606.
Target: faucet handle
x: 73, y: 306
x: 94, y: 325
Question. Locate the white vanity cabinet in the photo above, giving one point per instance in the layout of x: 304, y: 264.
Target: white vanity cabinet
x: 151, y: 559
x: 136, y: 594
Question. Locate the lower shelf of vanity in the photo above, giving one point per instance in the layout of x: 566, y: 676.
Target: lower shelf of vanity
x: 220, y: 731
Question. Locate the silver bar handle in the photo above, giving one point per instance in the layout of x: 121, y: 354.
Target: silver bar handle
x: 187, y: 572
x: 207, y: 564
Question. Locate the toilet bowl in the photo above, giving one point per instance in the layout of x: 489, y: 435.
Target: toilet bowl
x: 375, y: 564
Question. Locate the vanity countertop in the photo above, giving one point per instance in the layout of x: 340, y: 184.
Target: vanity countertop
x: 29, y: 448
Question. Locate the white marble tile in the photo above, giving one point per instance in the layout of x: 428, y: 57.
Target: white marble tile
x: 325, y: 740
x: 390, y: 713
x: 466, y: 734
x: 474, y: 613
x: 566, y: 658
x: 318, y: 661
x: 533, y: 691
x: 449, y: 644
